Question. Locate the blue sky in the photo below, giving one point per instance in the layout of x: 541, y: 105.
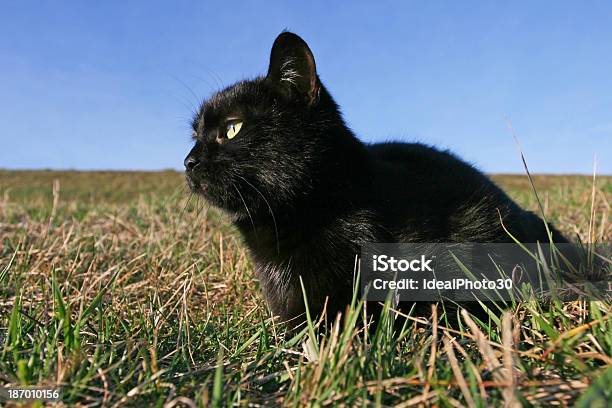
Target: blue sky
x: 112, y: 85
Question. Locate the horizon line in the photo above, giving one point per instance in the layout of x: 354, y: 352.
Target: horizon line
x: 169, y: 169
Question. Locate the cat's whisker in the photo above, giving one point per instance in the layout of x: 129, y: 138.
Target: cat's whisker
x: 270, y: 210
x: 196, y: 99
x: 217, y: 78
x: 247, y: 210
x: 201, y: 204
x: 185, y: 205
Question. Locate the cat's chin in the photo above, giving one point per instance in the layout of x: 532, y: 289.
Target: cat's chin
x: 202, y: 189
x: 235, y: 214
x: 194, y: 186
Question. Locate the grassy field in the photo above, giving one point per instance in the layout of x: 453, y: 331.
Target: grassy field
x: 120, y: 290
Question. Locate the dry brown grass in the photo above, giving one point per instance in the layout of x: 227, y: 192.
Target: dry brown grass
x: 160, y: 307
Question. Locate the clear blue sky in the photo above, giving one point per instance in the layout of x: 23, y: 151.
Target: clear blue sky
x: 112, y: 84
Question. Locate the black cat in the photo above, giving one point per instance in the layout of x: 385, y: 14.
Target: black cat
x: 276, y: 155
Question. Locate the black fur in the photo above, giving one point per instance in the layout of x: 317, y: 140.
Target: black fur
x: 305, y: 193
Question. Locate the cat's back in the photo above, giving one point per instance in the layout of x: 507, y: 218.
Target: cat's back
x: 418, y: 168
x: 447, y: 198
x: 417, y: 156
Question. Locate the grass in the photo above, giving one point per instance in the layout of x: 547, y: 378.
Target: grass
x: 116, y: 288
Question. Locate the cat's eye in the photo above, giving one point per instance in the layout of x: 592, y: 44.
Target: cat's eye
x: 232, y: 129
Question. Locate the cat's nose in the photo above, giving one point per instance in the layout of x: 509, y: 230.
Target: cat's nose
x: 191, y: 162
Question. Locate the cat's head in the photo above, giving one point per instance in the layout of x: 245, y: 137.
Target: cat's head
x: 261, y: 143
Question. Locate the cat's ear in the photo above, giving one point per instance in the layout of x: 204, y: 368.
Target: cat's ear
x: 292, y: 67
